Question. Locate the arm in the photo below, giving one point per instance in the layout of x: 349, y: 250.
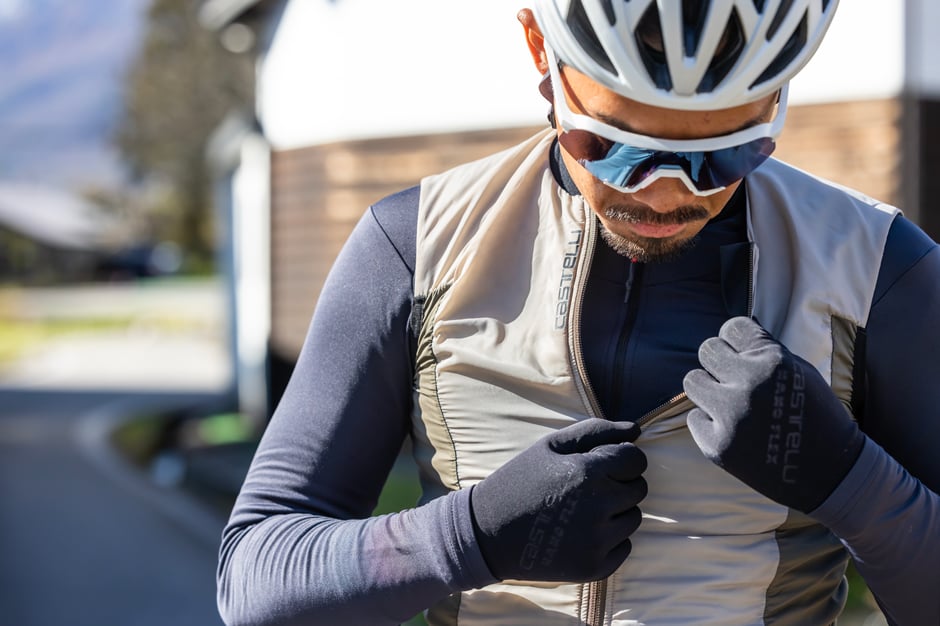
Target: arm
x: 300, y: 546
x: 887, y: 511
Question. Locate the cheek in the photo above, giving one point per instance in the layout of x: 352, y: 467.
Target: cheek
x: 714, y: 204
x: 594, y: 192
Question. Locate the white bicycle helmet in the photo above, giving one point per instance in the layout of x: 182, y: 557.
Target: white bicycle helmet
x: 686, y: 54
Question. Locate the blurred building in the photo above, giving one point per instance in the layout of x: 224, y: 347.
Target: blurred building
x: 357, y: 99
x: 48, y: 235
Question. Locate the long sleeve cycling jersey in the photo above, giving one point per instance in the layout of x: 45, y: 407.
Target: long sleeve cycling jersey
x: 301, y: 547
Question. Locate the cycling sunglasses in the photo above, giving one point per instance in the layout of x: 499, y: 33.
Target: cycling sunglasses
x: 629, y: 162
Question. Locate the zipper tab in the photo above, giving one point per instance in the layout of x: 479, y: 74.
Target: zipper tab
x: 628, y: 286
x: 674, y: 406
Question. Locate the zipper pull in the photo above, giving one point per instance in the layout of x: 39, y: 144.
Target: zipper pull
x: 628, y: 286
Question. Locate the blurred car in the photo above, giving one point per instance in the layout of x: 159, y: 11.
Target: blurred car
x: 143, y: 260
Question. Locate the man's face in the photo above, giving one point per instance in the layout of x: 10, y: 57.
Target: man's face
x: 660, y: 220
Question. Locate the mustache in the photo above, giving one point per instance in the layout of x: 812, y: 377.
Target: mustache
x: 641, y: 213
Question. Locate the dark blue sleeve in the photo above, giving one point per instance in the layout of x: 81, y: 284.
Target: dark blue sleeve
x: 887, y: 511
x: 300, y: 546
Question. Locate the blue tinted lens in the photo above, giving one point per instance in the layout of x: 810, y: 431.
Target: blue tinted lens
x: 627, y: 166
x: 731, y: 164
x: 622, y: 165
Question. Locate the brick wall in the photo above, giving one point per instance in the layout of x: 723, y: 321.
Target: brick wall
x: 857, y: 144
x: 319, y: 193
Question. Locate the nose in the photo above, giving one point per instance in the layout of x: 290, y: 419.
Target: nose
x: 665, y: 195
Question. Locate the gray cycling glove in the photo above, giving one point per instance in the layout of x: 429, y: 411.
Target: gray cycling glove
x: 767, y: 417
x: 564, y: 508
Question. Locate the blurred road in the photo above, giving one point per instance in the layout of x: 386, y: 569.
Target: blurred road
x: 86, y: 538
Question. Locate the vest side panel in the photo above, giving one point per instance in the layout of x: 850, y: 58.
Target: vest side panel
x: 792, y: 599
x: 433, y: 450
x: 844, y: 333
x: 819, y: 250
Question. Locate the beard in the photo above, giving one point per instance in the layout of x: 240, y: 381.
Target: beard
x: 648, y: 249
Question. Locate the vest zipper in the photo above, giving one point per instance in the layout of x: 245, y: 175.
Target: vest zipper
x: 596, y: 599
x: 594, y: 592
x: 574, y: 319
x: 597, y: 590
x: 663, y: 409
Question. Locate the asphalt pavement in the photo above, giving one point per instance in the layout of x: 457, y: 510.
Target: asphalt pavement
x: 87, y: 538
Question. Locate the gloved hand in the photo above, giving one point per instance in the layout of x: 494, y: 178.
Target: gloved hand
x: 769, y: 418
x: 564, y: 508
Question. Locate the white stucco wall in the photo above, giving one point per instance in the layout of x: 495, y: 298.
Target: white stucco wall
x: 347, y: 69
x: 350, y: 69
x: 862, y: 56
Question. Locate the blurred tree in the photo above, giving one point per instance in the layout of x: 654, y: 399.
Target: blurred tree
x: 178, y: 89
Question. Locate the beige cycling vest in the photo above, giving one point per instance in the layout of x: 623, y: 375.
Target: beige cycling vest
x: 503, y: 255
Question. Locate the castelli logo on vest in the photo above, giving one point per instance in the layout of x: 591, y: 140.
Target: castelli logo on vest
x: 562, y: 305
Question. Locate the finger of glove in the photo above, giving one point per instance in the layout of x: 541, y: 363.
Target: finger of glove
x: 619, y: 461
x: 628, y: 521
x: 588, y: 434
x: 615, y: 529
x: 704, y: 390
x: 621, y: 497
x: 743, y: 333
x: 708, y: 434
x: 722, y: 361
x: 614, y: 559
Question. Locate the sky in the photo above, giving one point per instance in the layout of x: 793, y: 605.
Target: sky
x: 61, y: 63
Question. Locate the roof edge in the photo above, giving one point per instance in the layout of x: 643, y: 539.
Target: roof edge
x: 217, y: 14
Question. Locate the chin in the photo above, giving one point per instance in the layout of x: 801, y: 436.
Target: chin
x: 648, y: 250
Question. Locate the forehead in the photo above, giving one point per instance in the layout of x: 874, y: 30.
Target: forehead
x: 586, y: 96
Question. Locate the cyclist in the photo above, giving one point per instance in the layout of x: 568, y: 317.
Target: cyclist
x: 650, y: 374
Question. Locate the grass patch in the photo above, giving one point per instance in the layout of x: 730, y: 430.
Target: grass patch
x: 223, y: 428
x: 17, y: 337
x: 138, y: 439
x: 401, y: 492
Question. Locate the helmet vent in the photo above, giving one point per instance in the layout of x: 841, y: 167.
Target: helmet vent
x: 650, y: 43
x: 583, y: 32
x: 694, y: 14
x: 727, y: 54
x: 782, y: 11
x: 790, y: 51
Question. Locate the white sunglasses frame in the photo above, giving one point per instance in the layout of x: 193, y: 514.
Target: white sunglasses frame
x: 567, y: 119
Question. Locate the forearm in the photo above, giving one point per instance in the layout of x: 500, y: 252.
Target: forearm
x: 308, y: 569
x: 890, y: 523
